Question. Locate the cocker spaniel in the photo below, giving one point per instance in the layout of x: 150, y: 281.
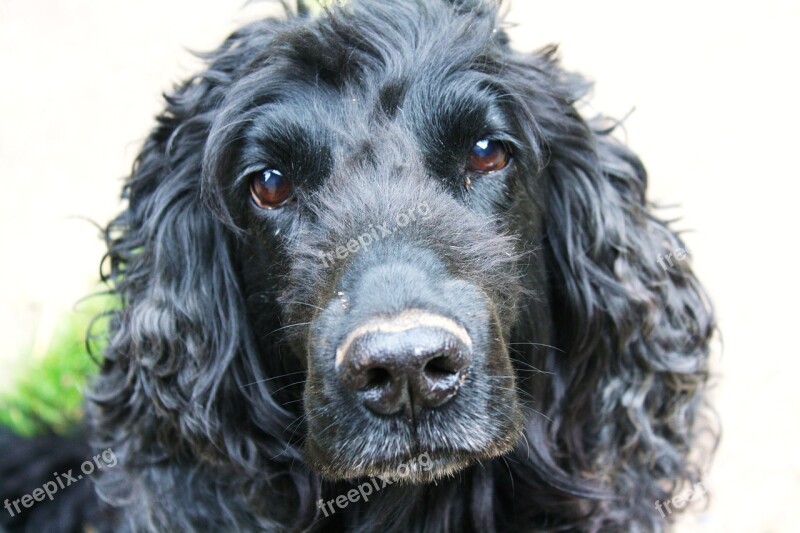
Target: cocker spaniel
x: 377, y: 273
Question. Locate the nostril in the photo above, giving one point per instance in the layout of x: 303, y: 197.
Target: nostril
x: 377, y: 378
x: 439, y: 367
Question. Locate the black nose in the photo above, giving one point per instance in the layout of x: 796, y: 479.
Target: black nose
x: 412, y: 361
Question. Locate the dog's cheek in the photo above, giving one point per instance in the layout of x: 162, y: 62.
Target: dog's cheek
x: 323, y: 395
x: 504, y: 399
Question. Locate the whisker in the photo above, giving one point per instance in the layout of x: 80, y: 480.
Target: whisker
x: 289, y: 440
x: 308, y: 304
x: 270, y: 379
x: 521, y: 392
x: 286, y: 327
x: 536, y: 344
x: 289, y: 385
x: 533, y: 368
x: 292, y: 401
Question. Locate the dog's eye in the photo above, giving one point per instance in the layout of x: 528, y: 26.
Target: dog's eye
x: 487, y: 155
x: 270, y: 188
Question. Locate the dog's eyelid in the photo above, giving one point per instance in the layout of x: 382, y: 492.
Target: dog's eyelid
x: 499, y: 136
x: 510, y: 140
x: 249, y: 170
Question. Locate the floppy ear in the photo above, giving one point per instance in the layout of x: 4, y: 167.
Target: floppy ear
x: 180, y: 346
x: 626, y: 400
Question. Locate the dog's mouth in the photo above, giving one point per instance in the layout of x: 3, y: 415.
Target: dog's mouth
x: 414, y: 452
x: 425, y: 467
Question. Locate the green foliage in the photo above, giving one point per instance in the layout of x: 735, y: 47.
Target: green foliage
x: 48, y: 395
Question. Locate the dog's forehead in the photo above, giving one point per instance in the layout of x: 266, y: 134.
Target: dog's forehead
x: 425, y: 88
x: 378, y: 48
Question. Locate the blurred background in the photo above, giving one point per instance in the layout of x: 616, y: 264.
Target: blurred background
x: 714, y: 85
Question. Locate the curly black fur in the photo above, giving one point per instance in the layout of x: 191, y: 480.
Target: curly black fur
x: 597, y: 407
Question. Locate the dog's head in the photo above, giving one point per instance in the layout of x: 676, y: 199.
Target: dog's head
x: 380, y: 233
x: 381, y: 186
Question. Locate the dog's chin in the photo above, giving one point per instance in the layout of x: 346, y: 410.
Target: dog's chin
x: 407, y: 471
x: 412, y: 469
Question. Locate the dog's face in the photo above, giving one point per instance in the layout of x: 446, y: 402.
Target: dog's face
x: 376, y: 185
x: 345, y: 238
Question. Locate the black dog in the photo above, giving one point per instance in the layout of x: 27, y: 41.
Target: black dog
x: 380, y: 243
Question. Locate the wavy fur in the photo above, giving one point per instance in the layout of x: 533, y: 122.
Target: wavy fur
x: 197, y: 384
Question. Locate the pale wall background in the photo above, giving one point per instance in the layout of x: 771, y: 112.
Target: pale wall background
x: 715, y: 85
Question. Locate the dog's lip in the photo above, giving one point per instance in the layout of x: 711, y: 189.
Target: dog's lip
x: 437, y: 464
x: 390, y: 463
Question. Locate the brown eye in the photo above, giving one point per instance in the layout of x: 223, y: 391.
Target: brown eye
x: 487, y: 155
x: 270, y: 188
